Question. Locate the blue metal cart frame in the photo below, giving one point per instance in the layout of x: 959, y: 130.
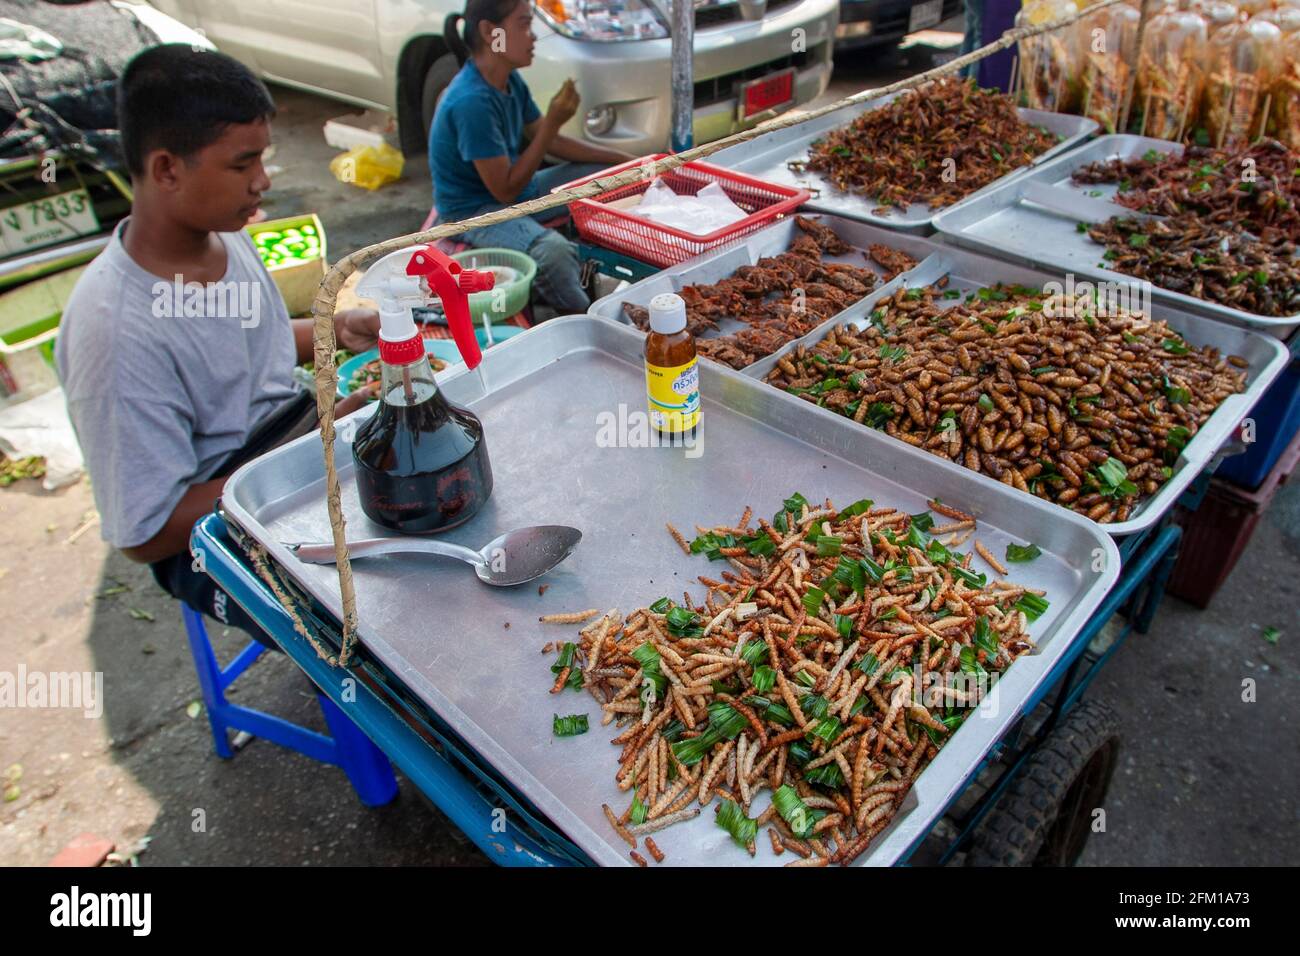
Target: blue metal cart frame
x: 472, y: 795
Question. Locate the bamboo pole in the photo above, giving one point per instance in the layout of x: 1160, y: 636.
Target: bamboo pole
x: 326, y: 374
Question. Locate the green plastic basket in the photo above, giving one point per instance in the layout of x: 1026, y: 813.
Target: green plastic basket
x: 511, y: 295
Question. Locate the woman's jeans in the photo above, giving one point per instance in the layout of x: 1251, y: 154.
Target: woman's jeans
x: 559, y: 273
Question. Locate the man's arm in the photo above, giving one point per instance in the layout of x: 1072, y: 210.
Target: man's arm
x: 199, y: 500
x: 174, y: 536
x: 354, y: 329
x: 576, y: 151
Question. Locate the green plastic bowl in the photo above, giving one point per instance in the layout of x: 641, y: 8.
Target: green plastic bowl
x: 515, y: 272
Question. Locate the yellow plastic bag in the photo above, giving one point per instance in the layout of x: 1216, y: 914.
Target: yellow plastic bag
x: 368, y: 166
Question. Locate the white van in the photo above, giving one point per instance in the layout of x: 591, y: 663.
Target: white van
x: 753, y: 59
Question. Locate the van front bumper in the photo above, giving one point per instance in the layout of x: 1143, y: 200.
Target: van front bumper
x: 634, y: 77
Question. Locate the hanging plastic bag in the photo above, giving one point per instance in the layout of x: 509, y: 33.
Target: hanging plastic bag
x: 1169, y: 77
x: 368, y: 166
x: 1049, y: 62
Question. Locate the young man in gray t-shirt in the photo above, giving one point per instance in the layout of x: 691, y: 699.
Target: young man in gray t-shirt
x: 176, y: 351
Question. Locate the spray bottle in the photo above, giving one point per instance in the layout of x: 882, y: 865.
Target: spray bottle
x: 422, y: 464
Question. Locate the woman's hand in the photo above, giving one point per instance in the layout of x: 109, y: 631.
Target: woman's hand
x: 356, y: 329
x: 563, y: 105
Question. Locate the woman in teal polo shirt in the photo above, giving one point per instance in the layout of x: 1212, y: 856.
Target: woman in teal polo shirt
x: 488, y: 140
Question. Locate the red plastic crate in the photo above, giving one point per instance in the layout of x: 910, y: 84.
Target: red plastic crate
x: 661, y: 245
x: 1216, y: 534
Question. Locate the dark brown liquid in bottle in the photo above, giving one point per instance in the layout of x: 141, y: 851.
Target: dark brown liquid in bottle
x: 422, y: 464
x: 670, y: 351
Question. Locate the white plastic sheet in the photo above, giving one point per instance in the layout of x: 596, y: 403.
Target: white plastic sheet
x: 40, y: 426
x: 707, y: 211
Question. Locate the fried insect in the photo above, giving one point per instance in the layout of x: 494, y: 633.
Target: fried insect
x: 933, y: 146
x: 1223, y: 236
x: 576, y: 617
x: 780, y: 297
x: 1089, y: 412
x: 835, y: 709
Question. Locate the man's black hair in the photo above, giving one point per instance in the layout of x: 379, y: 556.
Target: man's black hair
x: 182, y: 98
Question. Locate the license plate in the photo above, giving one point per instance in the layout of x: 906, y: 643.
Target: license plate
x: 925, y: 15
x: 45, y: 222
x: 767, y: 93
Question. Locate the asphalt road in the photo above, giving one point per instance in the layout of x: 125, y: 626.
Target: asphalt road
x: 1204, y: 778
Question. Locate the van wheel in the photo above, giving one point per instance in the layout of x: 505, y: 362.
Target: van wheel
x: 442, y: 72
x: 1045, y: 816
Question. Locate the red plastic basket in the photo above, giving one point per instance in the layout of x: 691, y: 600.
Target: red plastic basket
x: 660, y: 245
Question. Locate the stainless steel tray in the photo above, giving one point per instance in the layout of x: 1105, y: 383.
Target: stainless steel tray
x: 443, y: 634
x: 714, y: 266
x: 1013, y: 222
x: 767, y: 157
x: 967, y: 271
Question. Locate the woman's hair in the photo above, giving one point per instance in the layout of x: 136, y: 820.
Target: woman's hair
x: 476, y: 11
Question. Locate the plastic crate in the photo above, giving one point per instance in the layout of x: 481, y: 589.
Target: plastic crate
x: 601, y: 223
x: 1277, y: 420
x: 1216, y: 534
x: 29, y: 324
x: 298, y: 282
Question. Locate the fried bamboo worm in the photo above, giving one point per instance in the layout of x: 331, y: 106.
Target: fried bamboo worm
x: 655, y: 852
x: 618, y: 827
x: 777, y: 846
x: 576, y: 617
x: 987, y: 555
x: 667, y: 820
x: 950, y: 512
x: 640, y: 860
x: 714, y: 769
x: 677, y: 536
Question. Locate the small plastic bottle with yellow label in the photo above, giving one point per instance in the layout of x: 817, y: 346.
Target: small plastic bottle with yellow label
x: 672, y: 373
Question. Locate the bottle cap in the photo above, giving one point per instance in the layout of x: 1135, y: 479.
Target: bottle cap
x: 667, y: 313
x: 399, y: 339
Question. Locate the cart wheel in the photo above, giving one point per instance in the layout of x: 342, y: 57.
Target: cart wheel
x: 1045, y: 816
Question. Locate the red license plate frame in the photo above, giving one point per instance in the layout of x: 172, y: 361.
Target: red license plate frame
x: 769, y: 92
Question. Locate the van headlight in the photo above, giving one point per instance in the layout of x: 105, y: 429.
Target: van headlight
x: 600, y: 120
x: 603, y: 19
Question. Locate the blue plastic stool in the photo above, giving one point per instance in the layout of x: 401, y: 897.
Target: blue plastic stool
x: 364, y: 763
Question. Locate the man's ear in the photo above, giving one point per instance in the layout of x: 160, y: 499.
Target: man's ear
x: 162, y: 167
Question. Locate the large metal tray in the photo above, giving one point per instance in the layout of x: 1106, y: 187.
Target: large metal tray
x: 767, y: 157
x: 1009, y: 224
x: 443, y: 634
x: 967, y: 271
x: 714, y: 266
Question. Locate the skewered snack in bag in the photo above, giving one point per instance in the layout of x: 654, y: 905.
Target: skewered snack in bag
x: 1049, y: 62
x: 1107, y: 40
x: 1169, y: 76
x: 1243, y: 60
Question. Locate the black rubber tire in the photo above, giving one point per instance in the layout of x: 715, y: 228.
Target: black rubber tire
x: 1045, y: 816
x: 442, y: 72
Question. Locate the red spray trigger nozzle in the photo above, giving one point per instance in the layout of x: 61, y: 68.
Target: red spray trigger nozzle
x: 447, y: 280
x: 471, y: 280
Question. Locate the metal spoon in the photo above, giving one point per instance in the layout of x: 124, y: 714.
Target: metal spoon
x: 515, y: 557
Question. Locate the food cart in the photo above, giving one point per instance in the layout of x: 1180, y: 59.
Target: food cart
x: 446, y: 677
